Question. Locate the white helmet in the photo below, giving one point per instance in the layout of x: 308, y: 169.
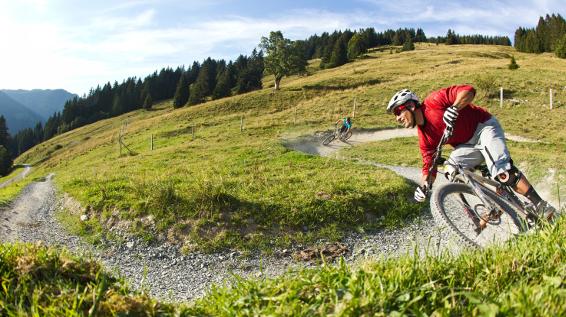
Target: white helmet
x: 400, y: 98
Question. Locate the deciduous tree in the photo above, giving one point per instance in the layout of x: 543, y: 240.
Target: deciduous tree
x: 282, y: 57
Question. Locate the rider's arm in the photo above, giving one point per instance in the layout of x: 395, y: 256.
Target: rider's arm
x: 424, y: 179
x: 427, y: 155
x: 464, y: 98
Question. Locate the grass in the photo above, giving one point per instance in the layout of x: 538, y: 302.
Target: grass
x: 527, y: 277
x: 41, y: 281
x: 243, y: 190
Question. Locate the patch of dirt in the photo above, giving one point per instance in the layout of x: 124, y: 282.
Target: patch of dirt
x: 313, y: 144
x: 329, y: 251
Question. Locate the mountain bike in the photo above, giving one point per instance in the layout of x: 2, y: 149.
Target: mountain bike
x: 336, y: 134
x: 475, y: 208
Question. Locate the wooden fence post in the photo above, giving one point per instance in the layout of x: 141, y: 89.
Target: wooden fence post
x: 550, y: 98
x: 500, y: 97
x: 558, y: 190
x: 151, y: 142
x: 354, y: 112
x: 193, y: 131
x: 241, y: 123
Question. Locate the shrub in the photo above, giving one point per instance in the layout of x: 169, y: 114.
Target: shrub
x: 513, y: 65
x: 486, y: 86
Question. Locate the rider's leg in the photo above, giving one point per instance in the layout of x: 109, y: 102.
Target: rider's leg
x: 466, y: 155
x: 500, y: 164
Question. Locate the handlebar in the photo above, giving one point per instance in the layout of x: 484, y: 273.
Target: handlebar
x: 437, y: 155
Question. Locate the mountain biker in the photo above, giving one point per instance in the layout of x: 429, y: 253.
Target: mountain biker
x: 346, y: 125
x: 470, y: 129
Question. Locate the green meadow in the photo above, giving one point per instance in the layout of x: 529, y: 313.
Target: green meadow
x: 219, y: 177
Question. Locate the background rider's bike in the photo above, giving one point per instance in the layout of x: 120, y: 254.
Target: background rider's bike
x: 336, y: 135
x: 476, y: 209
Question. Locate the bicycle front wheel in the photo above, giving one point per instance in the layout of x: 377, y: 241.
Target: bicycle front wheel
x: 455, y: 206
x: 328, y: 139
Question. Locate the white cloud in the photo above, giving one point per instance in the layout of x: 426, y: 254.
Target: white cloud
x: 112, y: 23
x: 132, y: 39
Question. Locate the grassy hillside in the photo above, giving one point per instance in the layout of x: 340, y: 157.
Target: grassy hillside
x: 227, y: 188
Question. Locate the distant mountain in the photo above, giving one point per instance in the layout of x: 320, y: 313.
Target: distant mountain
x: 44, y: 102
x: 17, y: 116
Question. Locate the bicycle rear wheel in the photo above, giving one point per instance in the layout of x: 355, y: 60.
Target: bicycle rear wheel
x: 328, y: 139
x: 346, y: 136
x: 456, y: 207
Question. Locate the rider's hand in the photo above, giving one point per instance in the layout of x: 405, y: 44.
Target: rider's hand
x: 421, y: 192
x: 448, y: 133
x: 450, y: 116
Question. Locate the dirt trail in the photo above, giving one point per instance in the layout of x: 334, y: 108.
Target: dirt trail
x: 24, y: 173
x: 312, y: 144
x: 27, y: 212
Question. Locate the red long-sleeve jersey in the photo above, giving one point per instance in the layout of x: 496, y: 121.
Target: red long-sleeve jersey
x: 433, y: 108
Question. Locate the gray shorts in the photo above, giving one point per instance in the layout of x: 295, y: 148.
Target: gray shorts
x: 488, y: 135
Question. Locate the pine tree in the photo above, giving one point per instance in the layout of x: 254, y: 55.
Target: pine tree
x: 408, y: 45
x: 356, y: 46
x: 339, y: 55
x: 199, y: 89
x: 118, y: 105
x: 396, y: 40
x: 225, y: 83
x: 451, y: 38
x: 38, y: 133
x: 51, y: 126
x: 209, y: 65
x: 560, y: 47
x: 145, y: 91
x: 4, y: 135
x: 181, y: 92
x: 5, y: 161
x: 192, y: 73
x: 513, y: 65
x: 369, y: 38
x: 148, y: 102
x: 420, y: 36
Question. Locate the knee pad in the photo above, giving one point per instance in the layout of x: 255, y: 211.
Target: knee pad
x: 510, y: 177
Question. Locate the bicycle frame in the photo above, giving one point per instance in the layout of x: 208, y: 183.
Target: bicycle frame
x: 478, y: 183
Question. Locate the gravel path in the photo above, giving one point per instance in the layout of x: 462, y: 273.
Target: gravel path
x: 24, y: 173
x: 170, y: 275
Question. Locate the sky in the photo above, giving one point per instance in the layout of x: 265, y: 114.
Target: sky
x: 77, y: 45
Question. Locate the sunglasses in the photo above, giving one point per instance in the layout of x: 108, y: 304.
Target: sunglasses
x: 397, y: 111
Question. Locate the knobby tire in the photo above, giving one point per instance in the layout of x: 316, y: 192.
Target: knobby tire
x: 456, y: 207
